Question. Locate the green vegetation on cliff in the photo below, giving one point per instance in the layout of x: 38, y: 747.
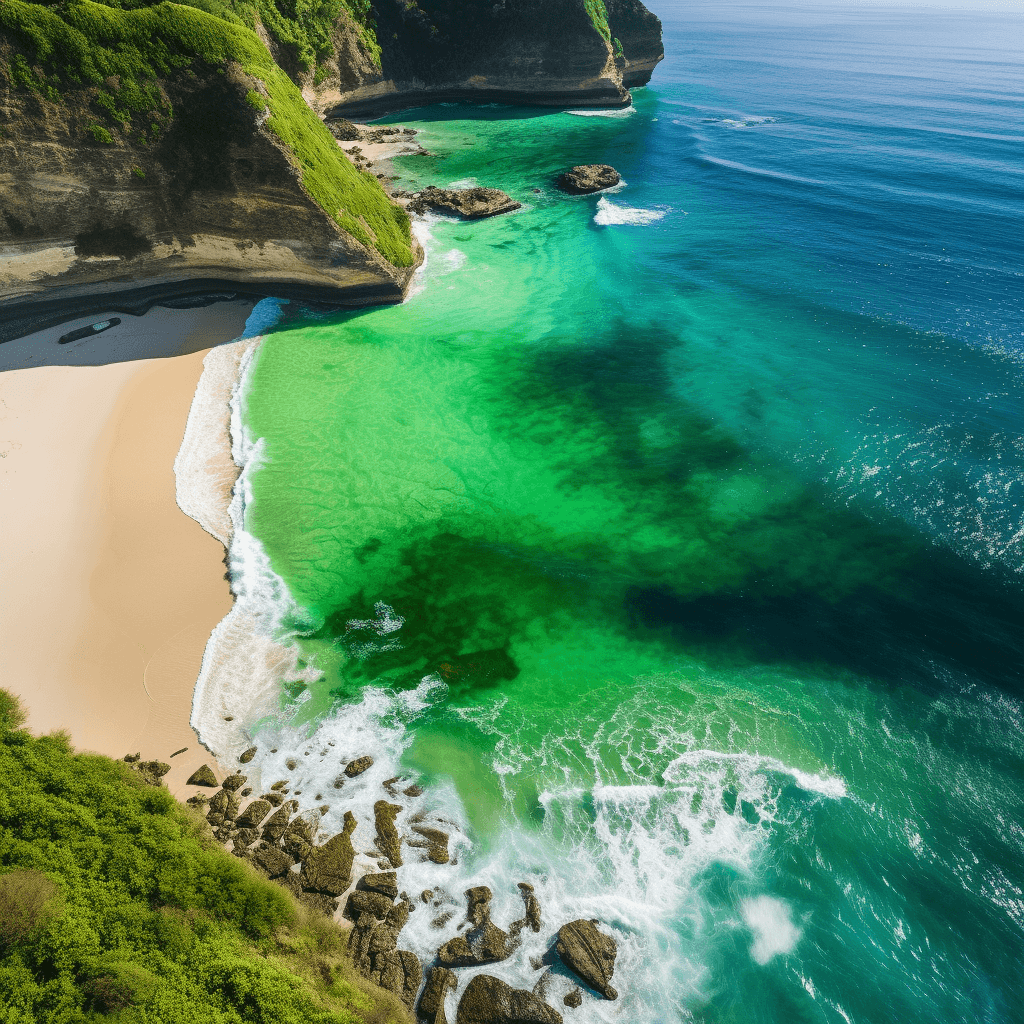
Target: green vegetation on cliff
x: 124, y: 54
x: 116, y: 904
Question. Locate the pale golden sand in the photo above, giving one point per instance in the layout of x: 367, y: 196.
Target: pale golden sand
x: 108, y: 591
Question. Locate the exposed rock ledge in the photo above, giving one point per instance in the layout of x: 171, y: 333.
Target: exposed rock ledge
x: 216, y: 207
x: 531, y: 52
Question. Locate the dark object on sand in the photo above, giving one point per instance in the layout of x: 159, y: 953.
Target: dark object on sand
x: 88, y: 332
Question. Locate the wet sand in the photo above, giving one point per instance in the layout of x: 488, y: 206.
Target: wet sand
x: 108, y: 591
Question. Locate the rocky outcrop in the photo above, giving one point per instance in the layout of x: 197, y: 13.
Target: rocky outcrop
x: 253, y: 814
x: 433, y: 841
x: 213, y: 206
x: 587, y: 178
x: 440, y: 981
x: 388, y: 840
x: 328, y: 868
x: 537, y: 52
x: 471, y: 203
x: 273, y: 860
x: 489, y: 1000
x: 485, y: 943
x: 202, y: 776
x: 234, y: 782
x: 373, y: 946
x: 589, y: 954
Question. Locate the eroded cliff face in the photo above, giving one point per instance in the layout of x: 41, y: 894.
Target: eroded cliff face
x: 214, y: 204
x: 534, y: 52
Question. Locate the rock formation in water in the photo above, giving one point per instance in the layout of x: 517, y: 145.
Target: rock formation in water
x: 470, y: 203
x: 587, y: 178
x: 589, y: 954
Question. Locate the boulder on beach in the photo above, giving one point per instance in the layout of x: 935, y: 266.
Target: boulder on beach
x: 471, y: 203
x: 587, y: 178
x: 233, y: 782
x: 589, y: 954
x: 489, y: 1000
x: 246, y: 756
x: 253, y: 814
x: 358, y: 766
x: 388, y: 840
x: 153, y: 771
x: 328, y: 868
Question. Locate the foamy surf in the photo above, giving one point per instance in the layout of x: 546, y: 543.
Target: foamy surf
x: 616, y: 113
x: 609, y: 213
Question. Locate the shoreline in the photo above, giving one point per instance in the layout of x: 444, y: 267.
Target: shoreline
x: 109, y: 593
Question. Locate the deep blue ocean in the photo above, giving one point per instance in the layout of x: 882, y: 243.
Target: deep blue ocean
x: 673, y: 538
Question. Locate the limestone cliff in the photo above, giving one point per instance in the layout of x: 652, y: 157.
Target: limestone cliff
x: 582, y: 53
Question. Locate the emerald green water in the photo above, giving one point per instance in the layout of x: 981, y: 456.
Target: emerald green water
x: 683, y: 576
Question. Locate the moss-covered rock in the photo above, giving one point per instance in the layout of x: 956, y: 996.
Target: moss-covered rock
x: 253, y: 814
x: 489, y: 1000
x: 328, y: 868
x: 388, y: 840
x: 589, y: 954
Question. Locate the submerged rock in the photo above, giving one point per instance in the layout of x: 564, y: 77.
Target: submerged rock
x: 589, y: 954
x: 491, y: 666
x: 471, y: 203
x: 587, y: 178
x: 202, y: 776
x: 435, y: 842
x: 388, y: 840
x: 328, y: 868
x: 488, y: 1000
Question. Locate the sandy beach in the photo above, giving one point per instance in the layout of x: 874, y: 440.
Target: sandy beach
x: 108, y: 591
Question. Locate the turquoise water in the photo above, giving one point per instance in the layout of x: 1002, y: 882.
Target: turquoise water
x: 673, y: 537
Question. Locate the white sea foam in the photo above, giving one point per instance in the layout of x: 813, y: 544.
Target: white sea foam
x: 619, y: 112
x: 434, y: 264
x: 611, y: 213
x: 464, y: 183
x: 772, y: 926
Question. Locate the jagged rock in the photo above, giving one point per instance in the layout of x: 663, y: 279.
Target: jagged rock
x: 274, y: 826
x: 274, y: 799
x: 486, y: 943
x: 234, y: 782
x: 246, y: 756
x: 328, y: 868
x: 574, y: 999
x: 246, y: 835
x: 531, y: 906
x: 358, y: 766
x: 398, y: 971
x: 224, y: 803
x: 253, y: 814
x: 413, y: 791
x: 224, y: 833
x: 436, y: 843
x: 384, y: 882
x: 360, y: 902
x: 589, y: 954
x: 133, y: 758
x: 198, y: 801
x: 153, y: 771
x: 298, y: 837
x: 587, y: 178
x: 471, y: 203
x: 488, y: 1000
x: 274, y: 861
x: 439, y: 981
x: 391, y: 785
x: 388, y: 840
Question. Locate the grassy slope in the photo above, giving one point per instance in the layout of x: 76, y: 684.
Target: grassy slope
x: 113, y: 906
x: 82, y: 43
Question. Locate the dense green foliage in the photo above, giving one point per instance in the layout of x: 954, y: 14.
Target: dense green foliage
x: 114, y: 903
x: 124, y: 52
x: 599, y: 16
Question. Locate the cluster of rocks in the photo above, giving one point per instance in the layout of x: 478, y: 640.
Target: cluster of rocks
x: 271, y: 834
x: 346, y: 131
x: 587, y: 178
x: 470, y: 203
